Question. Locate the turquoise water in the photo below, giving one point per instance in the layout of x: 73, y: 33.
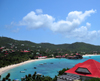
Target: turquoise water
x: 47, y: 69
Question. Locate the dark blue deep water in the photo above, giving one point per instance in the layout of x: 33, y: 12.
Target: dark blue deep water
x: 47, y: 69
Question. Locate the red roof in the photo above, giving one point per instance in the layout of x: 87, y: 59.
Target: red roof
x: 70, y: 56
x: 91, y: 65
x: 6, y: 53
x: 25, y: 51
x: 63, y: 56
x: 58, y: 56
x: 44, y: 56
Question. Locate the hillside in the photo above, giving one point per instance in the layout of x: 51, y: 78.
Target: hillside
x: 80, y: 46
x: 18, y: 44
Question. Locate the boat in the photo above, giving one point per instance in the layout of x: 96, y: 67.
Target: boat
x: 25, y: 69
x: 51, y: 63
x: 41, y: 64
x: 22, y: 77
x: 44, y: 63
x: 16, y: 79
x: 22, y: 71
x: 38, y: 74
x: 34, y: 67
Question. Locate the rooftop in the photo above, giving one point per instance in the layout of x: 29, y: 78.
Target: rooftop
x: 90, y: 68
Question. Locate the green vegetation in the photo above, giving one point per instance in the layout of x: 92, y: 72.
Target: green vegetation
x: 46, y: 49
x: 78, y: 46
x: 62, y: 71
x: 36, y: 77
x: 94, y: 79
x: 7, y: 78
x: 33, y: 77
x: 14, y: 58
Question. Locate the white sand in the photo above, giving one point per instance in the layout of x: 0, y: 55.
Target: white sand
x: 91, y: 55
x: 4, y: 69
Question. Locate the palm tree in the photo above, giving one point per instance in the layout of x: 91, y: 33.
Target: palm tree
x: 80, y: 77
x: 7, y: 77
x: 0, y: 77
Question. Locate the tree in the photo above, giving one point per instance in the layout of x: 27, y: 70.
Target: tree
x: 55, y: 78
x: 0, y: 77
x: 29, y: 75
x: 7, y: 77
x: 94, y: 79
x: 34, y: 76
x: 4, y: 79
x: 62, y: 71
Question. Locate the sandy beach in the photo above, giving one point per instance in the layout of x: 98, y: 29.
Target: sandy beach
x: 91, y: 55
x: 6, y: 68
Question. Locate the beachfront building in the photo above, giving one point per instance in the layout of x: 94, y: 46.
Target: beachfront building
x: 42, y: 57
x: 75, y: 57
x: 0, y: 49
x: 25, y: 51
x: 82, y: 71
x: 59, y: 56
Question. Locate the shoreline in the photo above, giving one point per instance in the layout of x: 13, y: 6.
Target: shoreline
x: 90, y: 55
x: 6, y: 68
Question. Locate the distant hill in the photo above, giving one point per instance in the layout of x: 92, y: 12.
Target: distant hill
x: 80, y: 46
x: 18, y: 44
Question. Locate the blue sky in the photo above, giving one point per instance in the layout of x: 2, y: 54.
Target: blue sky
x: 51, y: 21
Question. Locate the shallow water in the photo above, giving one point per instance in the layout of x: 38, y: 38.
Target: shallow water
x: 47, y: 69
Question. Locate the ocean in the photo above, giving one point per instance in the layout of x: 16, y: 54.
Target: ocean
x: 48, y: 67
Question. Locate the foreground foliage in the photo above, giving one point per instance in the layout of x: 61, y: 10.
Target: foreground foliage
x: 37, y: 77
x: 94, y: 79
x: 62, y: 71
x: 33, y: 77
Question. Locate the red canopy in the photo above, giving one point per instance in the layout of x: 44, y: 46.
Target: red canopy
x: 92, y: 66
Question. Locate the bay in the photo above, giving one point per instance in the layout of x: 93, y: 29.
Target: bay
x: 47, y: 67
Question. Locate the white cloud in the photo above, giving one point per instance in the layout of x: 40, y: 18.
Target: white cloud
x: 69, y: 27
x: 64, y: 26
x: 39, y: 11
x: 74, y: 19
x: 83, y: 34
x: 99, y: 32
x: 16, y: 30
x: 88, y: 25
x: 12, y: 24
x: 31, y: 20
x: 78, y: 15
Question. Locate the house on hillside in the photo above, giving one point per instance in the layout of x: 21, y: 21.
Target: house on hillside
x: 77, y: 56
x: 25, y: 51
x: 42, y: 57
x: 0, y: 49
x: 59, y: 56
x: 84, y: 71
